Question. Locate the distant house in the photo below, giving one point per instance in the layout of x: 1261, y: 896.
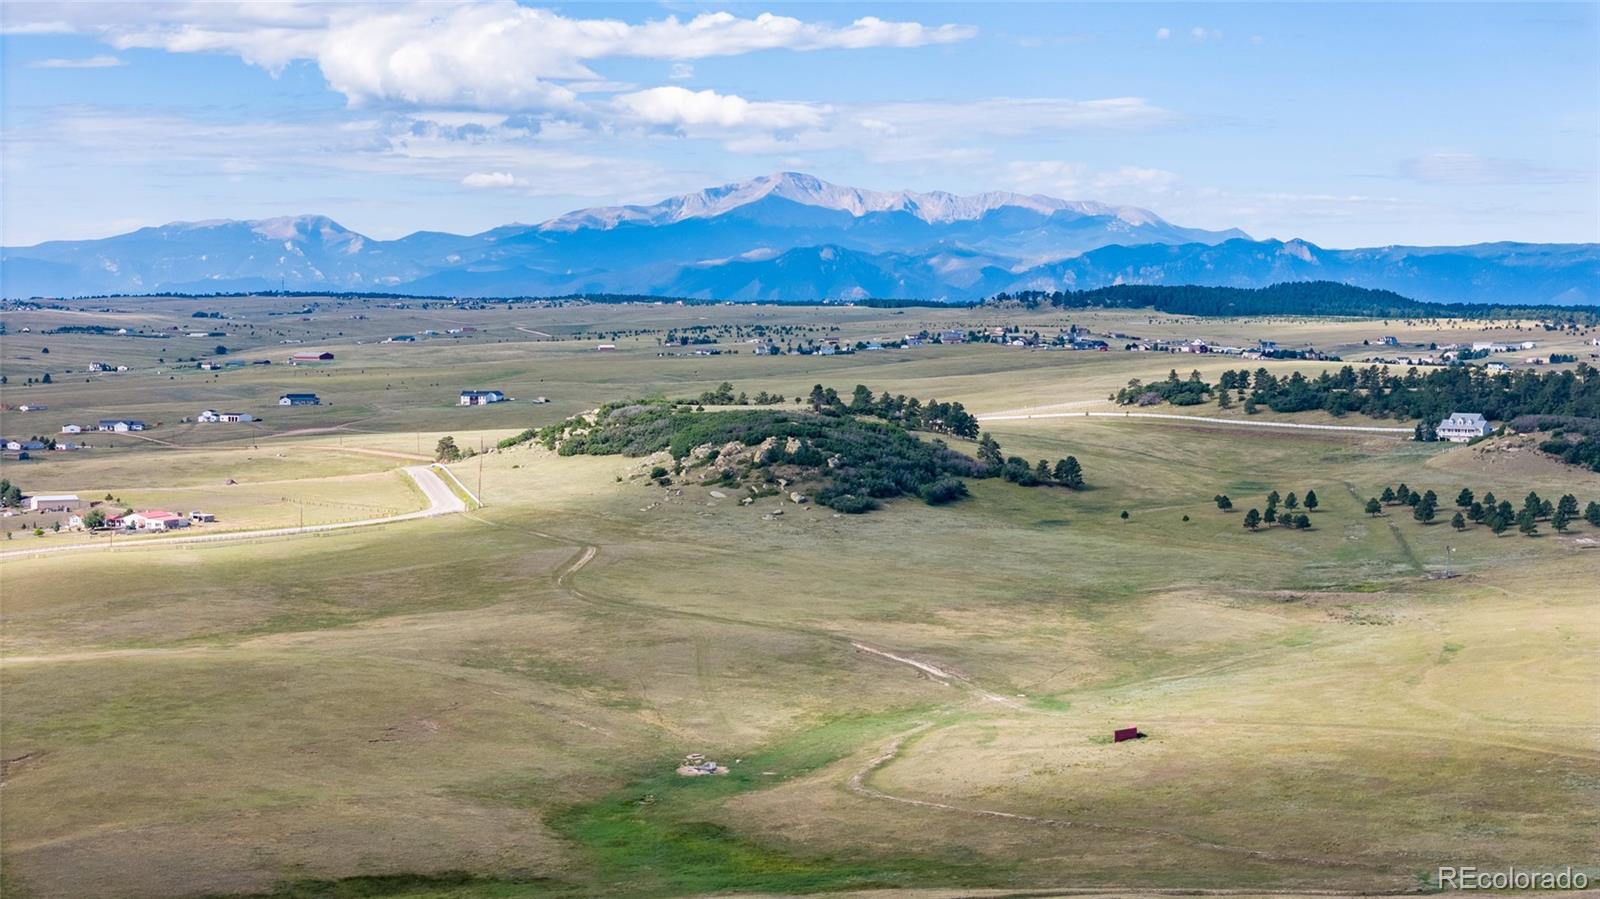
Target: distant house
x: 1390, y: 341
x: 32, y: 407
x: 210, y: 415
x: 202, y: 516
x: 606, y: 347
x: 299, y: 399
x: 401, y: 338
x: 51, y: 501
x: 952, y: 337
x: 1461, y: 427
x: 311, y: 356
x: 72, y: 429
x: 120, y: 425
x: 481, y: 397
x: 154, y: 520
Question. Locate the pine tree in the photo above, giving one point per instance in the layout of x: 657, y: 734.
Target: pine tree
x: 1388, y: 496
x: 1042, y: 471
x: 1311, y: 501
x: 1374, y: 507
x: 989, y: 452
x: 1560, y: 520
x: 1527, y: 522
x: 1252, y: 519
x: 1292, y: 501
x: 1476, y: 512
x: 1222, y: 501
x: 1489, y: 501
x: 1464, y: 498
x: 1591, y: 513
x: 1458, y: 521
x: 1302, y: 522
x: 1068, y: 473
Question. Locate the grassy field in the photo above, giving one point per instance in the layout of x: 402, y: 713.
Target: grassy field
x: 492, y: 703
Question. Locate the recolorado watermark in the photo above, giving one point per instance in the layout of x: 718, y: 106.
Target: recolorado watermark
x: 1467, y: 877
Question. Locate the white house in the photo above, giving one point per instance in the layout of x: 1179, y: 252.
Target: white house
x: 154, y: 520
x: 209, y: 415
x: 1461, y: 427
x: 72, y: 429
x: 299, y: 399
x: 120, y: 425
x: 481, y: 397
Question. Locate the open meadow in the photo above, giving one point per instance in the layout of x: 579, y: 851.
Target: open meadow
x: 494, y: 703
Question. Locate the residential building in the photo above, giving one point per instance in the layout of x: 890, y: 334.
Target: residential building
x: 120, y: 425
x: 1461, y: 427
x: 72, y: 429
x: 154, y: 520
x: 311, y: 356
x: 299, y: 399
x: 481, y: 397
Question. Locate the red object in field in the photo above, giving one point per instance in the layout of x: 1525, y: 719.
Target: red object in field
x: 1125, y: 733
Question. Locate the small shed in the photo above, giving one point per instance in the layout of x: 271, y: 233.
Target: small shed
x: 1123, y: 734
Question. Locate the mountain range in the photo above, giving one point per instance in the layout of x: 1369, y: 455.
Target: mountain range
x: 784, y: 237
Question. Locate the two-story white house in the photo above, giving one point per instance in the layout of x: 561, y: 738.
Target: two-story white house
x: 1462, y: 426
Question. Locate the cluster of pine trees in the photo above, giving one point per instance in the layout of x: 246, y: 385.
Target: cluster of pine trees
x: 1291, y: 516
x: 1496, y: 514
x: 1379, y: 392
x: 1064, y: 473
x: 908, y: 412
x: 1179, y: 392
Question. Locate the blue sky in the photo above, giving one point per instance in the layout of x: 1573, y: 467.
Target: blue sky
x: 1347, y: 125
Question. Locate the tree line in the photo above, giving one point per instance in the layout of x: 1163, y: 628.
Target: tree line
x: 1288, y: 298
x: 1496, y: 514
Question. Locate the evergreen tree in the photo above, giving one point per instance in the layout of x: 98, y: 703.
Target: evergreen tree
x: 1464, y: 498
x: 1489, y: 502
x: 1458, y: 521
x: 1224, y: 400
x: 1389, y: 496
x: 1560, y: 520
x: 1302, y: 521
x: 1068, y: 473
x: 989, y: 452
x: 1402, y: 494
x: 1222, y: 501
x: 1374, y: 507
x: 1527, y: 522
x: 1311, y: 500
x: 1591, y: 513
x: 1271, y: 515
x: 1500, y: 519
x: 1568, y: 504
x: 1124, y: 514
x: 1292, y: 501
x: 446, y: 450
x: 1042, y: 471
x: 1476, y: 512
x: 1252, y: 519
x: 1273, y: 498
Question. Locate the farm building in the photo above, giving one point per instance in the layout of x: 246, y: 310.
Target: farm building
x: 53, y: 501
x: 311, y: 356
x: 72, y: 429
x: 120, y: 425
x: 32, y: 407
x: 481, y: 397
x: 299, y: 399
x: 1462, y: 426
x: 606, y: 347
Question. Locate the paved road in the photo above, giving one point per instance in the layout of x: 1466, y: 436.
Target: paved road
x: 441, y: 501
x: 1192, y: 419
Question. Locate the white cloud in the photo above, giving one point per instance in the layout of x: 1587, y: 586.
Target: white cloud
x: 677, y: 107
x: 493, y: 179
x: 1201, y: 33
x: 101, y: 61
x: 1458, y: 167
x: 488, y: 55
x: 681, y: 71
x: 1163, y: 33
x: 1075, y: 179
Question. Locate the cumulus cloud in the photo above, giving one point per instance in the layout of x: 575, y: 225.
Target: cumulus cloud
x: 1163, y: 33
x: 681, y: 71
x: 488, y: 55
x: 102, y: 61
x: 677, y: 107
x: 1202, y: 33
x: 493, y: 179
x: 1064, y: 178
